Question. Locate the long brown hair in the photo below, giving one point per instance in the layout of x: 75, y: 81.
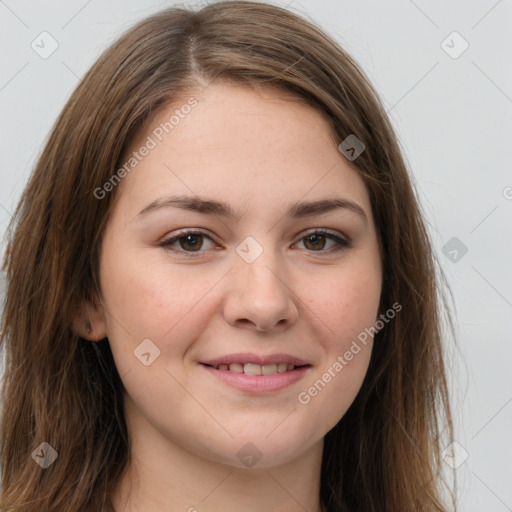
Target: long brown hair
x: 384, y: 454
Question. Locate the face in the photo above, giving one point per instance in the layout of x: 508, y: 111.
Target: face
x: 254, y: 280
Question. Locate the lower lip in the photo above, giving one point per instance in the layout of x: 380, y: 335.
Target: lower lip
x: 259, y: 383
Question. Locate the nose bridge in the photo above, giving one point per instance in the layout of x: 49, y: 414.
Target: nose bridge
x: 260, y: 267
x: 260, y: 293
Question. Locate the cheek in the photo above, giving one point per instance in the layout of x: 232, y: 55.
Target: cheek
x: 346, y: 303
x: 146, y: 295
x: 346, y: 311
x: 147, y: 299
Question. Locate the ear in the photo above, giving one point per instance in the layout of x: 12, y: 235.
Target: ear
x: 88, y: 321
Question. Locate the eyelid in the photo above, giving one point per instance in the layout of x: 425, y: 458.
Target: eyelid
x: 324, y: 231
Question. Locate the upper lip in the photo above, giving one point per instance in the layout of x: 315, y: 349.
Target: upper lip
x: 251, y: 358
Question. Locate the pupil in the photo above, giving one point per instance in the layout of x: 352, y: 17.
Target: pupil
x: 188, y: 237
x: 315, y: 239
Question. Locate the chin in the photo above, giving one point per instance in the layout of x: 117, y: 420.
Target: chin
x: 260, y: 449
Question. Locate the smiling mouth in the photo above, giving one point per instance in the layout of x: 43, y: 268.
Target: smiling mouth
x: 256, y: 369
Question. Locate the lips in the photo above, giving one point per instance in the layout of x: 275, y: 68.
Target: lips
x: 253, y: 364
x: 256, y: 374
x: 258, y: 384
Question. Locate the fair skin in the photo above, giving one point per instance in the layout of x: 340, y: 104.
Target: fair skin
x: 259, y: 153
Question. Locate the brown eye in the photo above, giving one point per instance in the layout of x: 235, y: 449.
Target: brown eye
x: 191, y: 242
x: 316, y: 241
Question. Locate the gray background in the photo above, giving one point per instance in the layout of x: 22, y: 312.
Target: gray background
x: 452, y: 115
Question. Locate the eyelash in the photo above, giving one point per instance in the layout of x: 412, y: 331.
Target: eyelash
x: 342, y: 243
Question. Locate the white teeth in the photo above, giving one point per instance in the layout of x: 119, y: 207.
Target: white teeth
x: 269, y: 369
x: 256, y: 369
x: 236, y: 367
x: 282, y: 367
x: 252, y: 369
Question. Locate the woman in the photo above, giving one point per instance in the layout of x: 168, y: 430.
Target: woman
x: 221, y: 291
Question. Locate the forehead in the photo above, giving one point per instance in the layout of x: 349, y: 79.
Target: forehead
x: 225, y: 104
x: 239, y: 144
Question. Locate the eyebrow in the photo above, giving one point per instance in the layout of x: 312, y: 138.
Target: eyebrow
x: 212, y: 207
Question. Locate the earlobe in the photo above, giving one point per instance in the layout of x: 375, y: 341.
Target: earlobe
x: 89, y: 321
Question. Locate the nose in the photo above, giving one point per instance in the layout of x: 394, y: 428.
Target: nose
x: 260, y: 297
